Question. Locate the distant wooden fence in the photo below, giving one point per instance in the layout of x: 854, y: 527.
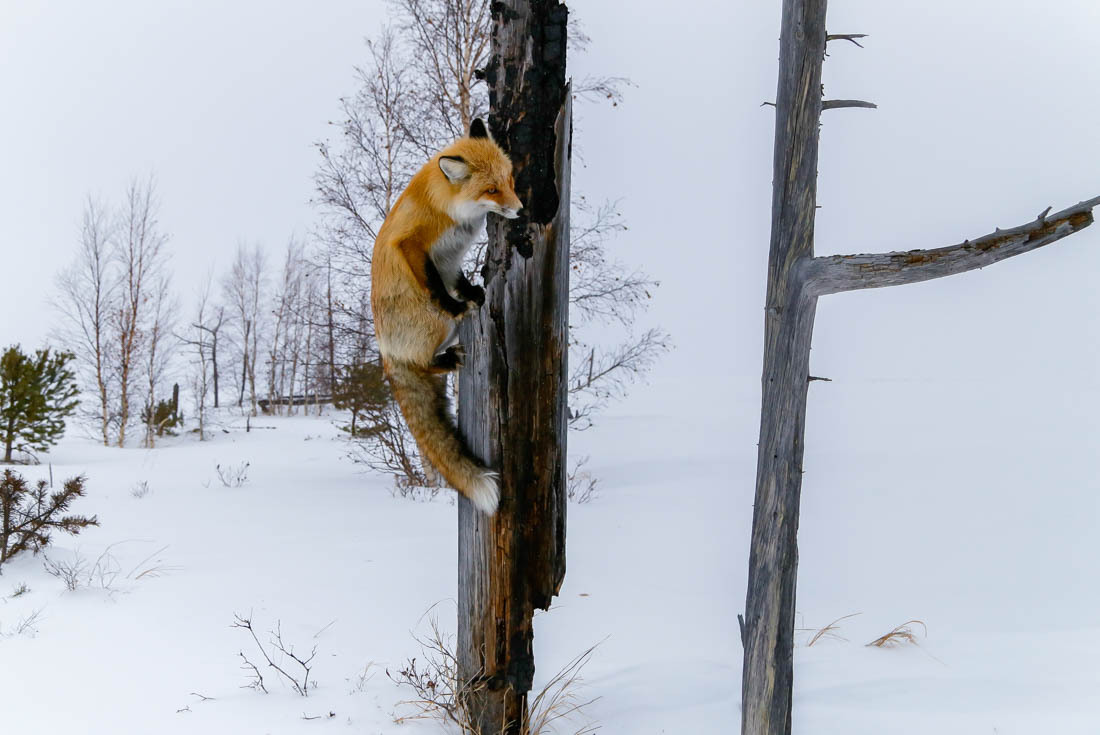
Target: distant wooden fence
x: 265, y: 404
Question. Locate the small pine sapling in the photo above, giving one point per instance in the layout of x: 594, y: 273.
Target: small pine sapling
x: 36, y: 394
x: 27, y: 516
x: 362, y: 389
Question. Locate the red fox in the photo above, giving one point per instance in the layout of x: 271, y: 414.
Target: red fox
x: 419, y: 293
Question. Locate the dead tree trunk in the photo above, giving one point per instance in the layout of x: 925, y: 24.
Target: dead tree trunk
x: 788, y: 327
x: 512, y: 397
x: 795, y: 281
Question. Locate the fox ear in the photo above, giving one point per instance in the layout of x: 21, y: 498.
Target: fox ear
x: 478, y: 129
x: 454, y: 168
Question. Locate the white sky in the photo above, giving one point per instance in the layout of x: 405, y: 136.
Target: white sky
x: 988, y: 113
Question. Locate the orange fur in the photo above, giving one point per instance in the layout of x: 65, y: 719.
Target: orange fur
x: 429, y: 229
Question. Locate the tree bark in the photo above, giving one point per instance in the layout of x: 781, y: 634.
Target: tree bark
x: 512, y: 397
x: 768, y: 674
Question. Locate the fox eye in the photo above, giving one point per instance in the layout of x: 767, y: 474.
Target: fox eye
x: 491, y: 190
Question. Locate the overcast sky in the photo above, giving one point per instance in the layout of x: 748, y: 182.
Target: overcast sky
x: 988, y: 113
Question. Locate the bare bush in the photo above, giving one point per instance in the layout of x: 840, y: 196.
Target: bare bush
x: 361, y: 679
x: 140, y: 489
x: 72, y: 572
x: 580, y: 485
x: 439, y: 693
x: 27, y: 625
x: 233, y: 475
x: 300, y: 667
x: 106, y: 572
x: 19, y: 590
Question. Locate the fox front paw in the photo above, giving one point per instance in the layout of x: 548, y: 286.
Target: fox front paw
x: 452, y: 358
x: 475, y: 294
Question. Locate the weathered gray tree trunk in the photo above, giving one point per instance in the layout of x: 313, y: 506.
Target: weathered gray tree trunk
x: 788, y: 327
x: 795, y: 280
x: 512, y: 391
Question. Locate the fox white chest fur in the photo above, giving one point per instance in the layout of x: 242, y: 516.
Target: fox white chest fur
x: 450, y: 249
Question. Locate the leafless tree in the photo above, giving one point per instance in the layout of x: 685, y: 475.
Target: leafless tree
x: 424, y: 81
x: 199, y: 340
x: 449, y: 44
x: 283, y: 305
x: 243, y: 288
x: 86, y: 290
x: 117, y: 308
x: 158, y: 356
x: 140, y: 252
x: 214, y: 327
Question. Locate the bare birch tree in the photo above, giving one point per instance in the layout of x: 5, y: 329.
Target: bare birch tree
x: 199, y: 340
x: 141, y: 253
x: 86, y: 292
x: 117, y: 307
x: 158, y: 355
x: 214, y: 327
x: 243, y: 289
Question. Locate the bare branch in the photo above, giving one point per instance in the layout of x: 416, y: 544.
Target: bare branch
x: 835, y: 273
x: 846, y: 37
x: 835, y: 104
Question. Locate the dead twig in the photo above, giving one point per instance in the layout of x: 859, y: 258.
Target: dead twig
x: 846, y: 37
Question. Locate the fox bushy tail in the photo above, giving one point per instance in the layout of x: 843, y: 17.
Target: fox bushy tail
x: 422, y: 397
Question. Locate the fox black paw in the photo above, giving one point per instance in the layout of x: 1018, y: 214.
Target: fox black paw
x: 450, y: 359
x: 475, y: 294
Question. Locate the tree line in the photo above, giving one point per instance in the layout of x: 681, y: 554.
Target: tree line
x: 290, y: 333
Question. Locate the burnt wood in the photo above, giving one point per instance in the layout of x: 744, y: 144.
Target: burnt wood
x: 512, y: 391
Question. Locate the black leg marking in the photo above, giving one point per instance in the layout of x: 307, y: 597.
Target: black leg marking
x: 438, y: 290
x: 469, y: 291
x: 450, y: 359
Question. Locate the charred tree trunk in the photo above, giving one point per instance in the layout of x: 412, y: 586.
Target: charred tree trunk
x: 512, y: 397
x: 795, y: 281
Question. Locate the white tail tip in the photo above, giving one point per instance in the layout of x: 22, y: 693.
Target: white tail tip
x: 485, y: 494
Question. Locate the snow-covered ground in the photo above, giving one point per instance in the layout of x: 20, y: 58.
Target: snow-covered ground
x: 945, y: 522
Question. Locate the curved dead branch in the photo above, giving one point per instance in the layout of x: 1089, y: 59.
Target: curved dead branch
x: 836, y: 273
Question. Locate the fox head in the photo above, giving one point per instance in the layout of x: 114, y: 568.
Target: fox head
x: 479, y: 175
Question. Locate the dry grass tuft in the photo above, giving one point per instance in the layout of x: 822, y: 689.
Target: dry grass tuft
x: 829, y: 631
x: 900, y: 635
x: 561, y: 699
